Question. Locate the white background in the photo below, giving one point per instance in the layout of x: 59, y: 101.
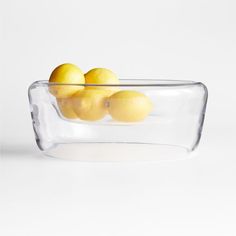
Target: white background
x: 178, y: 39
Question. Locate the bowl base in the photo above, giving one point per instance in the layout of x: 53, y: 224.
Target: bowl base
x: 110, y: 152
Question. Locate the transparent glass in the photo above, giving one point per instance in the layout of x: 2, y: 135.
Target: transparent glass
x: 172, y: 127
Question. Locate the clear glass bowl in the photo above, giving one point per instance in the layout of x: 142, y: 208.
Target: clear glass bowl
x: 171, y: 130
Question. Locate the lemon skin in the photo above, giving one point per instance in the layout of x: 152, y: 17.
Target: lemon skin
x: 129, y: 106
x: 90, y: 105
x: 66, y: 74
x: 65, y: 106
x: 101, y: 76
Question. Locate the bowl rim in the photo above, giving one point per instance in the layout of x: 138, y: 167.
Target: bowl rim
x: 126, y: 83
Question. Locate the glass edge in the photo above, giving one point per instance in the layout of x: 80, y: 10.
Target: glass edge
x: 154, y: 83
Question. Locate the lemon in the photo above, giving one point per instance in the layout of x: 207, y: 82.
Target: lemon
x: 102, y: 76
x: 90, y: 104
x: 129, y: 106
x: 66, y: 108
x: 66, y: 74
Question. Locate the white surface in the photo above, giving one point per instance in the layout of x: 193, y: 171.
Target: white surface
x: 44, y: 196
x: 179, y: 39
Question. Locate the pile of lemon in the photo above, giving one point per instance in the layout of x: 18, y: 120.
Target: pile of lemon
x: 93, y: 95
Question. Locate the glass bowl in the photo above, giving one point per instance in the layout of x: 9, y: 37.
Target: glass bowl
x: 171, y: 130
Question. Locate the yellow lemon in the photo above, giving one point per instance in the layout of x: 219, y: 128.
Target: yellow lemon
x: 66, y: 108
x: 129, y: 106
x: 66, y: 74
x: 101, y: 76
x: 90, y: 104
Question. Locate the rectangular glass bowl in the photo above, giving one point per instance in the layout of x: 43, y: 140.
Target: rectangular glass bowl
x: 171, y: 130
